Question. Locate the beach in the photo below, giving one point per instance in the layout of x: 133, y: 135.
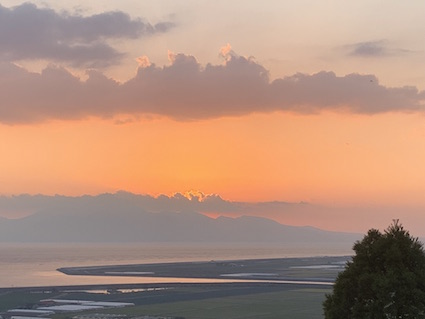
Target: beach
x: 34, y: 265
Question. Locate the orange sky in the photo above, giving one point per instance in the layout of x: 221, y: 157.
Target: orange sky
x: 289, y: 101
x: 326, y: 158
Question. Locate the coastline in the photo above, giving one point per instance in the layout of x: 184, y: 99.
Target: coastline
x: 321, y: 268
x: 285, y: 284
x: 36, y: 264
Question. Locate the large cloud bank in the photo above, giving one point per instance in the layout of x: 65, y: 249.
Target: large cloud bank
x: 183, y: 90
x: 186, y: 90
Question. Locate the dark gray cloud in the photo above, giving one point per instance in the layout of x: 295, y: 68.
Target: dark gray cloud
x: 185, y: 90
x: 29, y: 32
x: 371, y: 49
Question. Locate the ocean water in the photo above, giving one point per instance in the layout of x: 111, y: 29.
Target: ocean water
x: 30, y: 265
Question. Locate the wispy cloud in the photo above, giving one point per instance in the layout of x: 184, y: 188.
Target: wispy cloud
x: 29, y: 32
x: 371, y: 49
x: 186, y: 90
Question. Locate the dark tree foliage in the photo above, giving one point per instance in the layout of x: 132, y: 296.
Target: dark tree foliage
x: 384, y: 279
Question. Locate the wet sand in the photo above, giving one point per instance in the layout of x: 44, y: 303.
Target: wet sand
x: 310, y: 269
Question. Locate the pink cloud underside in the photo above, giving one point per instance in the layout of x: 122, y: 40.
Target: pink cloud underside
x: 186, y: 90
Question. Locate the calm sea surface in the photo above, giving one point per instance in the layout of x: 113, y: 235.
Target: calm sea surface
x: 29, y: 265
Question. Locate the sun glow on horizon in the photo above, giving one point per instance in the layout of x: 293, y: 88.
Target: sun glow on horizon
x: 253, y: 158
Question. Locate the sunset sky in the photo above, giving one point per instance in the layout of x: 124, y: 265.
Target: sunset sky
x: 257, y: 101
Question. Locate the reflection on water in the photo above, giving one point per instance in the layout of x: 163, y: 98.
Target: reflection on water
x: 35, y: 264
x: 128, y: 291
x: 114, y: 291
x: 56, y: 278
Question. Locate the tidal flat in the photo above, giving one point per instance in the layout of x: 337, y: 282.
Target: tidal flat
x: 320, y: 270
x: 252, y: 288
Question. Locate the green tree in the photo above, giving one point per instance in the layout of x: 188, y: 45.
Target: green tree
x: 384, y: 279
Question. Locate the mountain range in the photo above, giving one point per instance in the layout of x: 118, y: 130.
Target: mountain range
x: 118, y: 218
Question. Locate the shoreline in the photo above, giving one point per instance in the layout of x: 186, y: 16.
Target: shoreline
x: 49, y: 289
x: 299, y: 271
x: 288, y: 270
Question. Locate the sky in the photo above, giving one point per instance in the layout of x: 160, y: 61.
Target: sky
x: 290, y: 101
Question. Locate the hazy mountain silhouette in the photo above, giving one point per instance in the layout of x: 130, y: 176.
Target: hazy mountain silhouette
x: 110, y: 218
